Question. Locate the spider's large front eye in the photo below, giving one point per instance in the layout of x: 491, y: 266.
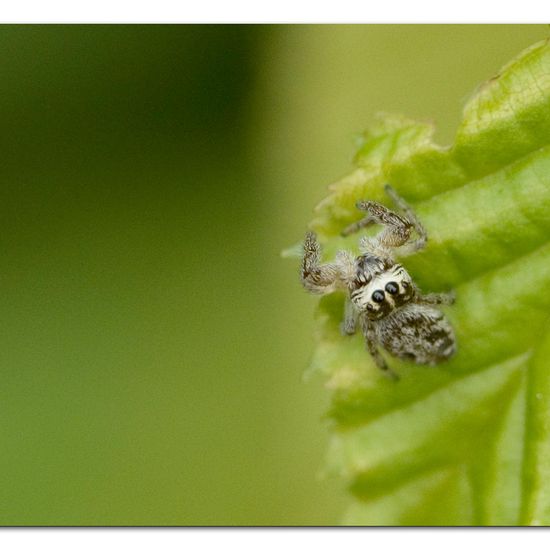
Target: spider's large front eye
x: 378, y: 296
x: 392, y: 288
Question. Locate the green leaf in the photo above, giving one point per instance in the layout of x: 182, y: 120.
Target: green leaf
x: 467, y: 442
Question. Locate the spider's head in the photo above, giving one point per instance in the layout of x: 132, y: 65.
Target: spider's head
x: 383, y: 293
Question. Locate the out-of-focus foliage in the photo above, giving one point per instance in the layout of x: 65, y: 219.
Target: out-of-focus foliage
x: 153, y: 341
x: 466, y: 443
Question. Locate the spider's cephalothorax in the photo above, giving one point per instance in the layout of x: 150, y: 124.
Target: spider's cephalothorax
x: 382, y: 297
x: 379, y: 291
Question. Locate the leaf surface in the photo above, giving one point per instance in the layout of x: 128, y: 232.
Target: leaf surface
x: 468, y: 442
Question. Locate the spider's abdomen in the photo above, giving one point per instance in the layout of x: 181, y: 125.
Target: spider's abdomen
x: 417, y: 333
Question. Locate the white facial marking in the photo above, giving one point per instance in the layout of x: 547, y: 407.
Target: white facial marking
x: 396, y: 274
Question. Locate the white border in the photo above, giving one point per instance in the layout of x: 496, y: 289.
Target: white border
x: 282, y: 11
x: 268, y: 539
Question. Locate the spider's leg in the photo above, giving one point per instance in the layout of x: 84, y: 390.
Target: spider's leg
x: 349, y: 324
x: 397, y: 229
x: 436, y: 298
x: 419, y: 243
x: 316, y: 277
x: 354, y: 227
x: 372, y: 347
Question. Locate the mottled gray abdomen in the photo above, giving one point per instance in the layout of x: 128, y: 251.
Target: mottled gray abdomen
x: 417, y: 333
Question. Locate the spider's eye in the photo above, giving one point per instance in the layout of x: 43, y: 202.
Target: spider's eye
x: 378, y: 296
x: 392, y: 288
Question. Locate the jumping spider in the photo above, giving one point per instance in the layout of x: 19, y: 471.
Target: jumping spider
x: 382, y: 297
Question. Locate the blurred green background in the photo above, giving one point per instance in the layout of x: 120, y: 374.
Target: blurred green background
x: 154, y: 341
